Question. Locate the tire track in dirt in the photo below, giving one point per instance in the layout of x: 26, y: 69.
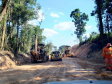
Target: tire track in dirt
x: 52, y: 74
x: 22, y: 73
x: 76, y: 72
x: 88, y: 73
x: 66, y: 70
x: 37, y: 74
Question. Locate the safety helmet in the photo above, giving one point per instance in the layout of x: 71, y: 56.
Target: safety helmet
x: 109, y: 44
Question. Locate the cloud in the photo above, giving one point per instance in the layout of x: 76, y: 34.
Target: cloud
x: 40, y: 15
x: 65, y: 26
x: 36, y: 21
x: 61, y: 13
x: 86, y: 34
x: 54, y: 15
x: 88, y: 27
x: 49, y: 32
x: 32, y: 22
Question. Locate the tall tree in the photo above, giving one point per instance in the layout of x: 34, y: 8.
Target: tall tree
x: 3, y: 17
x: 79, y: 20
x: 107, y: 6
x: 99, y: 12
x: 23, y: 11
x: 5, y: 4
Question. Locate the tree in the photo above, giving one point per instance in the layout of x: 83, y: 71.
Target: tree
x: 23, y: 11
x: 49, y: 47
x: 15, y: 33
x: 62, y: 48
x: 55, y: 48
x: 5, y: 4
x: 99, y: 12
x: 79, y: 20
x: 107, y: 6
x: 4, y: 13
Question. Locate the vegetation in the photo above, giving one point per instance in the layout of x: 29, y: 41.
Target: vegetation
x: 62, y: 48
x: 103, y: 12
x: 80, y: 22
x: 15, y: 33
x: 49, y: 47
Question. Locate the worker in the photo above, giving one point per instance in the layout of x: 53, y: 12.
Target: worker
x: 107, y: 55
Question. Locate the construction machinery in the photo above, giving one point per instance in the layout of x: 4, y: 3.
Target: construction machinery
x: 39, y: 54
x: 67, y: 52
x: 55, y: 55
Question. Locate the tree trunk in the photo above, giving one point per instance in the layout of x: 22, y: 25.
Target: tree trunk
x: 36, y: 44
x: 3, y: 32
x: 107, y: 22
x: 5, y: 5
x: 17, y: 47
x: 100, y: 20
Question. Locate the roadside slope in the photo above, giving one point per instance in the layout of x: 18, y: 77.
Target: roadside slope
x: 89, y: 51
x: 8, y: 60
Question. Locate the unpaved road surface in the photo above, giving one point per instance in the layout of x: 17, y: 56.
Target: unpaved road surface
x: 65, y: 70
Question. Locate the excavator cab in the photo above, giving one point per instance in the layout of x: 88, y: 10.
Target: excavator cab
x: 41, y: 48
x: 67, y: 50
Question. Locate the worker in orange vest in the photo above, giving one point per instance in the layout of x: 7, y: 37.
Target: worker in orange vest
x: 107, y: 55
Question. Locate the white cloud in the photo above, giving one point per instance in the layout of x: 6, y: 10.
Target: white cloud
x: 86, y: 34
x: 88, y: 27
x: 65, y: 26
x: 32, y: 22
x: 49, y: 32
x: 61, y: 13
x: 54, y: 15
x: 40, y: 15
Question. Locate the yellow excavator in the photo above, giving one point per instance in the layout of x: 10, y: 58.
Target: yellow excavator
x: 39, y: 54
x: 67, y: 52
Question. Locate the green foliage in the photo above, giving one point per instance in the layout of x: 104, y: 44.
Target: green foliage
x: 93, y: 38
x: 103, y: 12
x: 19, y: 13
x: 79, y: 20
x: 62, y: 48
x: 49, y: 47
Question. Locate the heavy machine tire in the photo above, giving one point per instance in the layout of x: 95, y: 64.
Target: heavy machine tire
x: 60, y: 60
x: 32, y: 60
x: 47, y: 57
x: 51, y: 59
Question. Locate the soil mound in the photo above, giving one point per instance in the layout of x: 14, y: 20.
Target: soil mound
x: 8, y: 60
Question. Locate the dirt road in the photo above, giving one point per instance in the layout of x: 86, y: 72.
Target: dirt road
x: 65, y: 70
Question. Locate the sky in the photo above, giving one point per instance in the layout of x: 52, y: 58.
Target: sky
x: 57, y: 23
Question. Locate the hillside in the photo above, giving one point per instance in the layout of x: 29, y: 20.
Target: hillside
x: 88, y: 51
x: 8, y: 60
